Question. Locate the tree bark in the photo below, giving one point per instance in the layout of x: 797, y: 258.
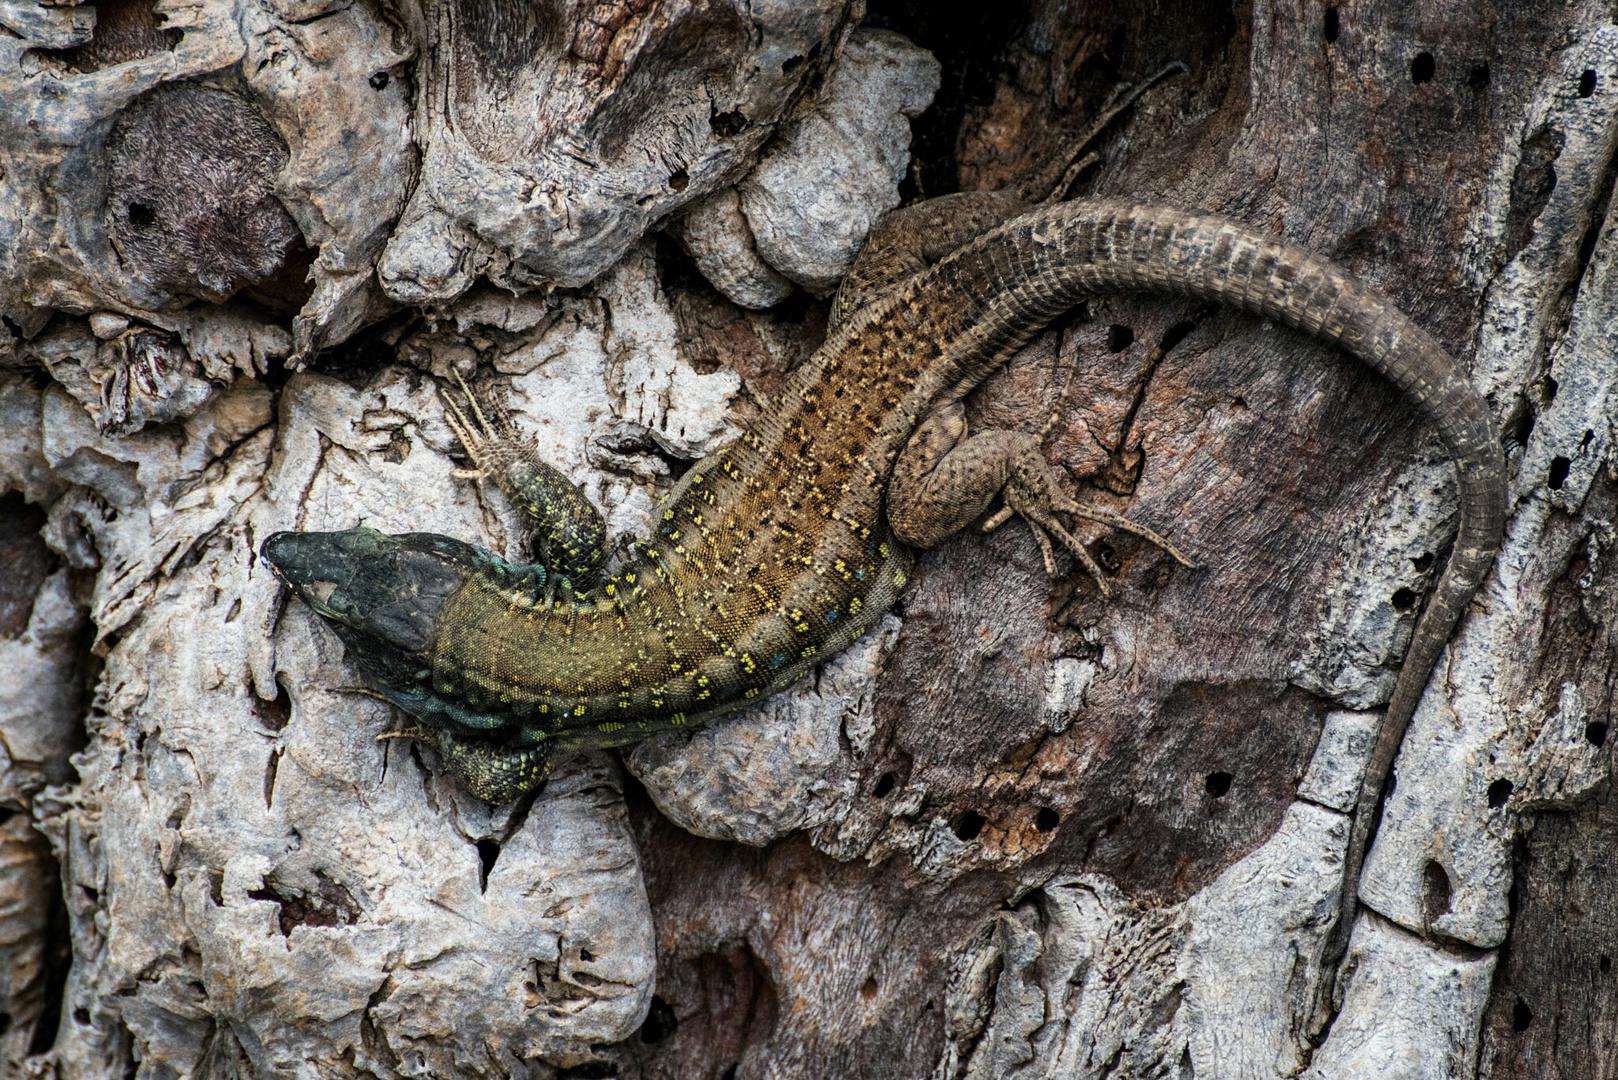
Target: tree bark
x: 1018, y: 830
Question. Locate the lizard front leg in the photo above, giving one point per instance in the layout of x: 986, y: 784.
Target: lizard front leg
x: 570, y: 538
x: 945, y: 480
x: 570, y: 535
x: 495, y: 772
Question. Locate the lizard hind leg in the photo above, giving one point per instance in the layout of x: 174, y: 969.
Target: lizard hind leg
x: 571, y: 533
x: 943, y: 481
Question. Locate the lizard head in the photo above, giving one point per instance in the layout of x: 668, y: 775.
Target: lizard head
x: 381, y: 591
x: 382, y: 596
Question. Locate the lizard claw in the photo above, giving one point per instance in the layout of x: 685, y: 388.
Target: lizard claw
x: 1123, y: 524
x: 1044, y: 525
x: 475, y: 437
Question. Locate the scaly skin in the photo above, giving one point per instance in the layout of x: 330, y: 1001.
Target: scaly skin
x: 778, y: 550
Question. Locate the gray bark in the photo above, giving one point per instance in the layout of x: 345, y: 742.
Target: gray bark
x: 1017, y: 830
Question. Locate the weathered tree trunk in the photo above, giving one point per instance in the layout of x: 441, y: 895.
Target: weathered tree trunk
x: 1018, y: 830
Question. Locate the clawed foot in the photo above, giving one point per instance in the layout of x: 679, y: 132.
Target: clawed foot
x: 569, y: 532
x: 1040, y: 514
x: 490, y: 445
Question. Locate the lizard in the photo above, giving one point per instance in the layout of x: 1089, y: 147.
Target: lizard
x: 779, y: 549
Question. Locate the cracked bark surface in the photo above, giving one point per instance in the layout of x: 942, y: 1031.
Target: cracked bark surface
x: 1017, y: 831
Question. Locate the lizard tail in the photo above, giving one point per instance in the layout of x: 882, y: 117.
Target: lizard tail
x: 1040, y: 264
